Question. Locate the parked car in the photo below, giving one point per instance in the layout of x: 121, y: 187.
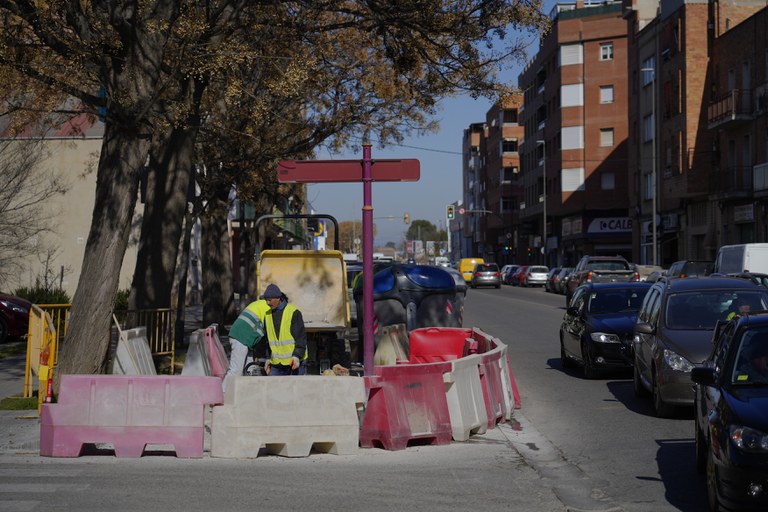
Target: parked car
x: 753, y: 276
x: 690, y: 268
x: 504, y: 271
x: 517, y: 275
x: 486, y: 274
x: 733, y: 259
x: 506, y: 278
x: 731, y: 424
x: 550, y: 285
x: 14, y: 317
x: 649, y: 272
x: 598, y: 326
x: 600, y: 269
x: 674, y: 329
x: 535, y: 275
x: 561, y: 279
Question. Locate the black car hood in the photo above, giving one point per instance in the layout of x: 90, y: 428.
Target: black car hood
x: 694, y: 345
x: 749, y: 404
x: 619, y: 323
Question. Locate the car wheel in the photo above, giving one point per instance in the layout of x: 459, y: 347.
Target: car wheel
x: 590, y: 372
x: 712, y: 500
x: 565, y: 361
x: 637, y: 381
x: 663, y: 409
x: 701, y: 449
x: 3, y: 331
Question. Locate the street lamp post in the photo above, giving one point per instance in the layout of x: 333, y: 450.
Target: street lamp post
x: 543, y: 143
x: 653, y: 161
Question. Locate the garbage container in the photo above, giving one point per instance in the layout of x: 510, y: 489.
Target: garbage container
x: 414, y: 295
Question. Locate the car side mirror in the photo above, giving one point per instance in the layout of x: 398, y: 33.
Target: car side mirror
x: 703, y: 375
x: 572, y: 311
x: 644, y: 328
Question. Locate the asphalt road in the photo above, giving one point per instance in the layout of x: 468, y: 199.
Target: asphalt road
x: 605, y: 439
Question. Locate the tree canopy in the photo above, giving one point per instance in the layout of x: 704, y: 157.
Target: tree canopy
x: 238, y: 84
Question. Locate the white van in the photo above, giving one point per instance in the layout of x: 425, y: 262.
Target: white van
x: 732, y: 259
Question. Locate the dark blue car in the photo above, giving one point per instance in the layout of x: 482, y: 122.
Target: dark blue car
x: 731, y: 414
x: 597, y: 328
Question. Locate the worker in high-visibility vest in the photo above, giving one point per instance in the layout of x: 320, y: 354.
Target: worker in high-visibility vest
x: 246, y: 331
x: 285, y: 334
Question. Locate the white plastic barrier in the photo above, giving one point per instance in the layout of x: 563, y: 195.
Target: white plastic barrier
x: 289, y: 416
x: 197, y: 362
x: 464, y: 393
x: 133, y: 356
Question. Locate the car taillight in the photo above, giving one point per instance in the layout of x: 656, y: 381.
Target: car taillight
x: 589, y: 277
x: 477, y: 274
x: 496, y: 274
x: 637, y: 276
x: 682, y: 275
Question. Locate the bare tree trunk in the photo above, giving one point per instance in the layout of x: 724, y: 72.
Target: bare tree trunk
x: 171, y: 164
x: 218, y: 293
x: 86, y: 347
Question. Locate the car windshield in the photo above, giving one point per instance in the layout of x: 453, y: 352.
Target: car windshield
x: 700, y: 310
x: 616, y: 300
x: 606, y: 265
x: 751, y: 363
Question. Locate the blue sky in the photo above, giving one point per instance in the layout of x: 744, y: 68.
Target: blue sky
x: 439, y: 155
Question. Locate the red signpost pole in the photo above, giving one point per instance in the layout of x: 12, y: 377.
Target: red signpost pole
x: 367, y: 263
x: 340, y: 171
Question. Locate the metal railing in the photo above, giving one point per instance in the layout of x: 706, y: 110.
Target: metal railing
x: 48, y: 325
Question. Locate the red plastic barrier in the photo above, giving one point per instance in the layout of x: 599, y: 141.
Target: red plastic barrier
x: 437, y: 344
x: 406, y: 403
x: 493, y: 390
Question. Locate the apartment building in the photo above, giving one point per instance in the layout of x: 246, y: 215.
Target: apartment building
x: 574, y: 152
x: 645, y: 134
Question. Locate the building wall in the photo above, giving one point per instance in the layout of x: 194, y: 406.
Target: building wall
x: 75, y: 160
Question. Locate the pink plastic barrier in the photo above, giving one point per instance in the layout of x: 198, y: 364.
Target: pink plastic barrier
x: 406, y: 403
x: 436, y: 344
x: 129, y: 412
x: 218, y: 357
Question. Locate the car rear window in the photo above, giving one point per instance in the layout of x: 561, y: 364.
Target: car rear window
x: 538, y: 270
x: 487, y: 267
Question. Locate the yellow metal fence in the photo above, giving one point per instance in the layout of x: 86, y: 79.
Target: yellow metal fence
x: 48, y: 325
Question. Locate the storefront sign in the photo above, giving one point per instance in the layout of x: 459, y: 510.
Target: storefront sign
x: 744, y: 213
x: 610, y: 225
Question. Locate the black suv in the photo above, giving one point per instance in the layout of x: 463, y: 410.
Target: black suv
x: 674, y: 329
x: 731, y: 422
x: 690, y: 268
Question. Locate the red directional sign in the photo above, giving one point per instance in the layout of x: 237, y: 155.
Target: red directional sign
x: 338, y: 171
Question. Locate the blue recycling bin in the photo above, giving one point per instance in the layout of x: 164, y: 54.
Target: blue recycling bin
x: 414, y: 295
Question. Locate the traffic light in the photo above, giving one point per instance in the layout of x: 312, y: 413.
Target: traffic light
x: 530, y: 251
x: 451, y: 212
x: 407, y: 218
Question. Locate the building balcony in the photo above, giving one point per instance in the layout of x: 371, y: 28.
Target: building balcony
x: 736, y: 180
x: 734, y: 108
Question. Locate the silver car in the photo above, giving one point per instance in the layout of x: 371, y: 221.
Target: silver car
x: 486, y: 274
x: 535, y: 275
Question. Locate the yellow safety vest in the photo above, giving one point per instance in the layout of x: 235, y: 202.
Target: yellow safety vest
x: 281, y: 346
x: 260, y: 307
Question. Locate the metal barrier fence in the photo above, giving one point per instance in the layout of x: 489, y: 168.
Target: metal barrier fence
x: 48, y: 324
x: 160, y: 329
x: 42, y: 348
